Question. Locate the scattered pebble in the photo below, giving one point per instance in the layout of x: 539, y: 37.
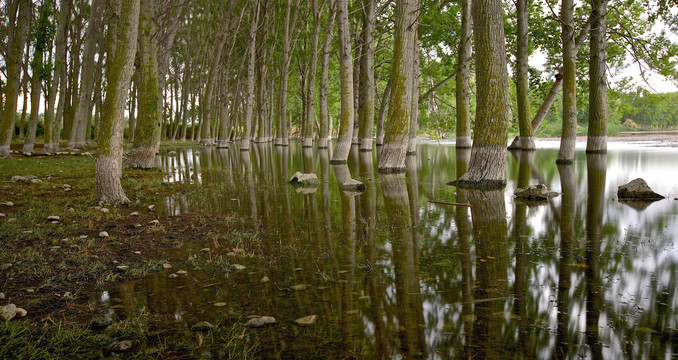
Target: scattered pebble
x: 123, y: 345
x: 238, y: 267
x: 166, y: 266
x: 83, y: 236
x: 27, y: 232
x: 68, y: 295
x: 137, y: 252
x: 71, y: 210
x: 104, y: 210
x: 306, y: 320
x: 220, y: 304
x: 11, y: 220
x: 8, y: 203
x: 205, y: 249
x: 202, y: 326
x: 2, y: 296
x: 151, y: 207
x: 172, y: 275
x: 8, y: 312
x: 103, y: 234
x: 122, y: 267
x: 54, y: 222
x: 298, y: 287
x: 30, y: 290
x: 258, y: 321
x: 182, y: 272
x: 134, y: 214
x: 137, y: 225
x: 21, y: 312
x: 154, y: 222
x: 264, y: 279
x: 3, y: 215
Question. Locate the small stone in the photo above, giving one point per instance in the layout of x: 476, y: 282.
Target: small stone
x: 27, y: 232
x: 205, y: 250
x: 11, y: 220
x: 71, y: 210
x: 298, y: 287
x: 264, y: 279
x: 115, y: 261
x: 219, y: 304
x: 202, y: 326
x: 306, y: 320
x: 2, y: 296
x: 154, y: 222
x: 83, y: 236
x: 30, y: 290
x: 21, y: 312
x: 3, y: 215
x: 122, y: 267
x: 151, y: 207
x: 182, y: 272
x: 100, y: 323
x: 137, y: 252
x: 104, y: 210
x: 238, y: 267
x: 137, y: 225
x: 36, y: 181
x: 103, y: 234
x: 172, y: 275
x: 259, y: 321
x: 134, y: 214
x: 637, y: 190
x: 97, y: 208
x: 68, y: 295
x: 8, y: 203
x: 123, y: 345
x: 533, y: 193
x: 8, y: 312
x: 166, y: 266
x: 53, y: 218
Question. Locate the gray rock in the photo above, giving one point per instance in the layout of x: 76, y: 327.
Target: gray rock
x: 238, y: 267
x: 36, y: 181
x: 306, y: 320
x: 8, y: 312
x: 21, y: 312
x: 103, y: 234
x: 134, y: 214
x: 172, y: 153
x: 100, y: 323
x: 258, y: 321
x: 122, y: 267
x: 123, y: 345
x: 26, y: 179
x: 2, y: 296
x: 53, y: 218
x: 352, y: 185
x: 154, y: 222
x: 304, y: 180
x: 202, y: 326
x: 534, y: 193
x: 637, y: 190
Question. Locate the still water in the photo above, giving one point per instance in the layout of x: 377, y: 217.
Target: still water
x: 391, y: 275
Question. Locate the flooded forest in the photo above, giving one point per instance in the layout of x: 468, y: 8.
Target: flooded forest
x: 335, y: 179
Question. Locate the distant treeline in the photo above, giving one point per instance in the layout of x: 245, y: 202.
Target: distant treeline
x: 648, y: 110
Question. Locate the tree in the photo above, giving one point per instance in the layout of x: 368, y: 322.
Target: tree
x: 597, y: 134
x: 523, y: 86
x: 324, y: 118
x: 396, y: 136
x: 366, y: 88
x: 569, y: 133
x: 488, y: 154
x: 462, y: 91
x: 121, y: 48
x: 341, y: 150
x: 251, y: 53
x: 16, y: 41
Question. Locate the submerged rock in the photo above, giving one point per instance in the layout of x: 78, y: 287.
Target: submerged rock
x: 534, y: 193
x: 103, y: 234
x: 304, y: 180
x: 100, y: 323
x: 202, y: 326
x: 352, y: 185
x: 123, y: 345
x: 258, y: 321
x: 637, y: 190
x: 8, y: 312
x: 306, y: 320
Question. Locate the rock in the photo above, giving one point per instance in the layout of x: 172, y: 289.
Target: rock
x: 3, y: 215
x: 205, y: 250
x: 36, y: 181
x: 304, y: 180
x: 172, y: 153
x: 166, y: 266
x: 122, y: 267
x: 154, y: 222
x: 306, y: 320
x: 172, y: 276
x: 264, y: 279
x: 238, y: 267
x: 24, y: 179
x: 151, y: 207
x: 8, y: 203
x: 137, y: 253
x: 202, y: 326
x: 103, y: 234
x: 637, y: 190
x: 352, y: 185
x: 298, y: 287
x: 21, y: 312
x: 134, y: 214
x: 53, y: 218
x: 7, y: 312
x: 11, y: 220
x: 182, y: 272
x: 100, y: 323
x: 83, y: 236
x: 104, y: 210
x: 123, y: 345
x: 219, y: 304
x: 2, y: 296
x: 68, y: 295
x: 258, y: 321
x: 534, y: 193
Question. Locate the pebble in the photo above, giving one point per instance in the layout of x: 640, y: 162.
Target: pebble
x: 259, y: 321
x: 123, y: 345
x: 220, y: 304
x: 154, y: 222
x: 21, y: 312
x: 264, y: 279
x: 104, y: 210
x: 166, y: 266
x: 68, y: 295
x: 36, y: 181
x: 2, y: 296
x: 71, y: 210
x: 11, y: 220
x: 151, y: 207
x: 306, y: 320
x: 103, y: 234
x: 83, y: 236
x: 8, y: 203
x: 137, y: 225
x: 137, y: 252
x: 205, y: 250
x: 134, y: 214
x: 55, y: 222
x: 122, y: 267
x: 238, y: 267
x: 8, y: 312
x: 298, y: 287
x: 172, y: 275
x: 202, y: 326
x: 182, y: 272
x: 3, y: 215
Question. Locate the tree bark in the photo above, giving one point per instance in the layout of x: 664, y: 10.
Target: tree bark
x: 526, y: 141
x: 568, y: 137
x: 288, y: 28
x: 16, y: 41
x: 394, y: 151
x: 414, y: 113
x: 324, y: 126
x: 343, y: 145
x: 463, y: 75
x: 382, y: 113
x: 142, y: 154
x: 310, y: 80
x: 122, y: 44
x: 249, y: 101
x: 366, y: 88
x: 597, y: 132
x: 488, y: 155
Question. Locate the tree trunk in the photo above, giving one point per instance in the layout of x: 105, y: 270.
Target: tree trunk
x: 133, y: 106
x: 78, y: 131
x: 394, y: 151
x: 36, y: 83
x: 366, y: 88
x: 343, y: 145
x: 251, y: 54
x: 597, y: 133
x: 526, y: 141
x: 414, y: 113
x: 463, y: 75
x: 568, y: 137
x: 488, y: 155
x: 122, y: 44
x: 142, y: 154
x: 382, y: 113
x: 324, y: 128
x: 288, y: 26
x: 16, y: 41
x: 310, y: 80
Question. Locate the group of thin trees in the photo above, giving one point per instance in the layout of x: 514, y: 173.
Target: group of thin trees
x: 217, y: 71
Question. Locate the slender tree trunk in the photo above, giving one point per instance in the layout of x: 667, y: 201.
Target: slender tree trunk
x: 366, y: 88
x: 16, y: 41
x: 122, y: 44
x: 414, y: 113
x: 488, y: 154
x: 36, y: 83
x: 310, y: 81
x: 288, y: 26
x: 526, y: 141
x: 568, y: 137
x: 77, y: 138
x: 463, y: 75
x: 382, y: 113
x: 324, y: 128
x: 133, y: 106
x: 142, y: 155
x: 24, y: 85
x: 394, y: 151
x: 343, y: 145
x: 597, y: 132
x: 251, y: 54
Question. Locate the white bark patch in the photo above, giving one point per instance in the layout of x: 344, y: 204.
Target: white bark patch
x: 596, y: 144
x: 464, y: 141
x: 366, y: 144
x: 566, y: 153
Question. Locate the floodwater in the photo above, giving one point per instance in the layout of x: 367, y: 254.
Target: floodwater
x: 392, y: 276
